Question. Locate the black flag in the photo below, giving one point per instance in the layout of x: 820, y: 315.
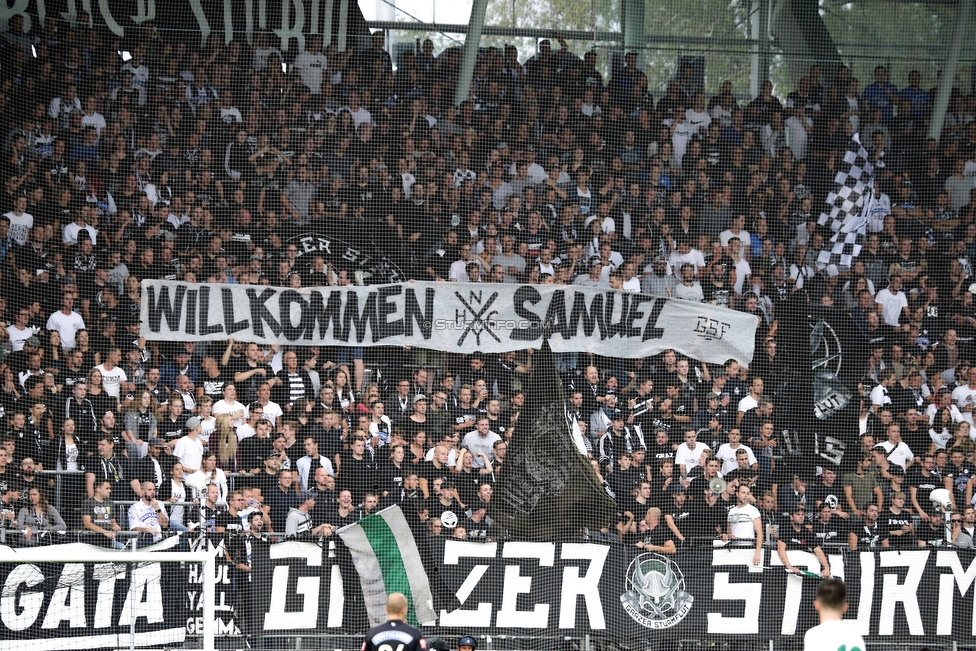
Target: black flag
x: 547, y: 489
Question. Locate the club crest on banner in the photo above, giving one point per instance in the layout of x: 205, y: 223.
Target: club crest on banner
x: 656, y: 596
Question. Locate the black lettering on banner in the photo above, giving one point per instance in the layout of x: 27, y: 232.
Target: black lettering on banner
x: 227, y: 302
x: 523, y: 295
x: 165, y: 307
x: 384, y: 308
x: 413, y: 314
x: 556, y: 316
x: 260, y: 313
x: 319, y: 317
x: 628, y: 326
x: 190, y: 326
x: 711, y: 328
x: 651, y: 331
x: 205, y: 327
x: 591, y: 319
x: 288, y: 297
x: 351, y: 316
x: 617, y: 328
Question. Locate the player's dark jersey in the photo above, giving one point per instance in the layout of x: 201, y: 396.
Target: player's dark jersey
x: 394, y: 636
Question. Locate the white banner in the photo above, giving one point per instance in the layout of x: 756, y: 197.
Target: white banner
x: 455, y: 317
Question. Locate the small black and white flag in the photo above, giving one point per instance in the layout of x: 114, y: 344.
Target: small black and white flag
x: 850, y: 209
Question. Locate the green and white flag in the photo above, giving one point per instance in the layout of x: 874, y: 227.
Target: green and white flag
x: 386, y: 556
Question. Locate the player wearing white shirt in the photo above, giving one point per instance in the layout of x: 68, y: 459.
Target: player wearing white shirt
x: 745, y: 522
x: 833, y: 633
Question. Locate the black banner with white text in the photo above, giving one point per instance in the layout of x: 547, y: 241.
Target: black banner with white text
x: 542, y: 588
x: 65, y: 605
x: 511, y: 588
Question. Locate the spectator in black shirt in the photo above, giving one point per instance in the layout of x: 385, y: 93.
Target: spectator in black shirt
x: 679, y: 516
x: 866, y: 530
x: 256, y: 449
x: 897, y: 528
x: 356, y: 471
x: 799, y: 536
x: 654, y: 536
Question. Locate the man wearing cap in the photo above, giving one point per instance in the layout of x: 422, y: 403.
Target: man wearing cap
x: 189, y: 450
x: 713, y: 416
x: 799, y: 536
x: 480, y: 441
x: 300, y: 522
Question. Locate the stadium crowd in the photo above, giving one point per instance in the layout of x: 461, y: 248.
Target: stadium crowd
x: 205, y: 165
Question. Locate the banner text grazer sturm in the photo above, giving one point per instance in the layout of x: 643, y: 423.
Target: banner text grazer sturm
x: 621, y: 593
x: 509, y: 588
x: 456, y: 317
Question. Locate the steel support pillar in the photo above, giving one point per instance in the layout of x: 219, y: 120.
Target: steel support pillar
x: 964, y: 15
x: 633, y: 23
x: 760, y: 49
x: 469, y: 53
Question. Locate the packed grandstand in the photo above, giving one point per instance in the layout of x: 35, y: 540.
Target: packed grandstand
x: 209, y: 165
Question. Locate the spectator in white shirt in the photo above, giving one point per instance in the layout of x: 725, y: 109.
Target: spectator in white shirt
x: 189, y: 449
x: 312, y: 65
x: 66, y: 322
x: 688, y: 454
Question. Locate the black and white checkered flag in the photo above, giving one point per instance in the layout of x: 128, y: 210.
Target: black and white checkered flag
x: 849, y: 211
